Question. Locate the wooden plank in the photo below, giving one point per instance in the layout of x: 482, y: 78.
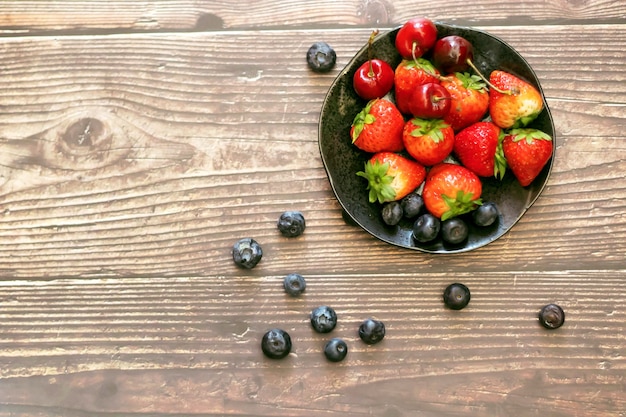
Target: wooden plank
x: 192, y: 345
x: 150, y: 154
x: 35, y: 17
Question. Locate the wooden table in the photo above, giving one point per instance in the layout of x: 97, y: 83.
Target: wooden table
x: 140, y: 139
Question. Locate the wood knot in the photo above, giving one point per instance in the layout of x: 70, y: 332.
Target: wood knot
x: 84, y: 133
x: 85, y: 142
x: 208, y: 22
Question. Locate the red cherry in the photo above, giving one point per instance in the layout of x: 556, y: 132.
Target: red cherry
x: 416, y: 37
x: 373, y: 79
x: 430, y: 101
x: 453, y: 54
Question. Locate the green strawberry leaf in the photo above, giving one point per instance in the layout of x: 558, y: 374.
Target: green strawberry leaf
x: 525, y: 120
x: 471, y: 81
x: 378, y: 182
x: 529, y: 135
x: 500, y: 165
x: 420, y: 63
x: 361, y: 119
x: 436, y: 135
x: 460, y: 204
x: 431, y: 127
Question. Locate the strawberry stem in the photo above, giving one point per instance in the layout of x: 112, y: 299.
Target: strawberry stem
x: 378, y: 181
x: 493, y: 87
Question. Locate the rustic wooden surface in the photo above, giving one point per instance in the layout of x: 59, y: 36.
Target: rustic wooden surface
x: 139, y: 139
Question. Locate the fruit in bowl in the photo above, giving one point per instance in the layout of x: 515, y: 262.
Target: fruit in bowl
x: 493, y: 94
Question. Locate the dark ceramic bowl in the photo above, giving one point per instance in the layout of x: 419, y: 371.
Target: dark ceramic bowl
x: 342, y: 160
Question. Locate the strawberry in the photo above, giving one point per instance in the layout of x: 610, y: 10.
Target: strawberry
x: 527, y: 151
x: 378, y: 127
x: 516, y: 104
x: 479, y: 148
x: 391, y: 176
x: 408, y: 75
x: 428, y: 141
x: 451, y: 190
x: 470, y: 99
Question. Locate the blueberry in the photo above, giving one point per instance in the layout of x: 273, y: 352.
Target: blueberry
x: 454, y: 230
x: 291, y: 224
x: 372, y: 331
x: 485, y: 214
x: 551, y: 316
x: 276, y: 344
x: 294, y: 284
x: 412, y: 205
x: 426, y: 228
x: 392, y: 213
x: 247, y: 253
x: 321, y: 57
x: 323, y: 319
x: 336, y: 350
x: 456, y: 296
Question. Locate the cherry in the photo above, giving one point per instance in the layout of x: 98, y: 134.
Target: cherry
x: 430, y: 101
x: 374, y: 78
x: 451, y: 54
x: 455, y: 54
x: 416, y: 37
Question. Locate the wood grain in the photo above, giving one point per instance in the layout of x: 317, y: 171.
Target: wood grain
x: 140, y: 139
x: 36, y: 17
x: 86, y: 345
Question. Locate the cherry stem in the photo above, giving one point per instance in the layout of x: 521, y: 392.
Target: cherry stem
x: 413, y: 48
x: 493, y: 87
x: 371, y: 73
x: 436, y: 99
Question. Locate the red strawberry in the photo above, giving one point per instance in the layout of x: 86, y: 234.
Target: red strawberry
x: 378, y: 127
x: 391, y: 176
x: 451, y: 190
x: 408, y: 75
x: 479, y: 148
x: 428, y: 141
x: 527, y: 151
x: 520, y: 106
x: 470, y: 99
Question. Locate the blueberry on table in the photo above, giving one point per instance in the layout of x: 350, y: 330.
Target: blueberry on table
x: 294, y: 284
x: 276, y: 344
x: 247, y: 253
x: 323, y: 319
x: 426, y: 228
x: 551, y: 316
x: 372, y: 331
x: 321, y: 57
x: 336, y: 350
x: 412, y: 205
x: 454, y: 230
x: 392, y: 213
x: 485, y: 215
x: 291, y: 224
x: 456, y: 296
